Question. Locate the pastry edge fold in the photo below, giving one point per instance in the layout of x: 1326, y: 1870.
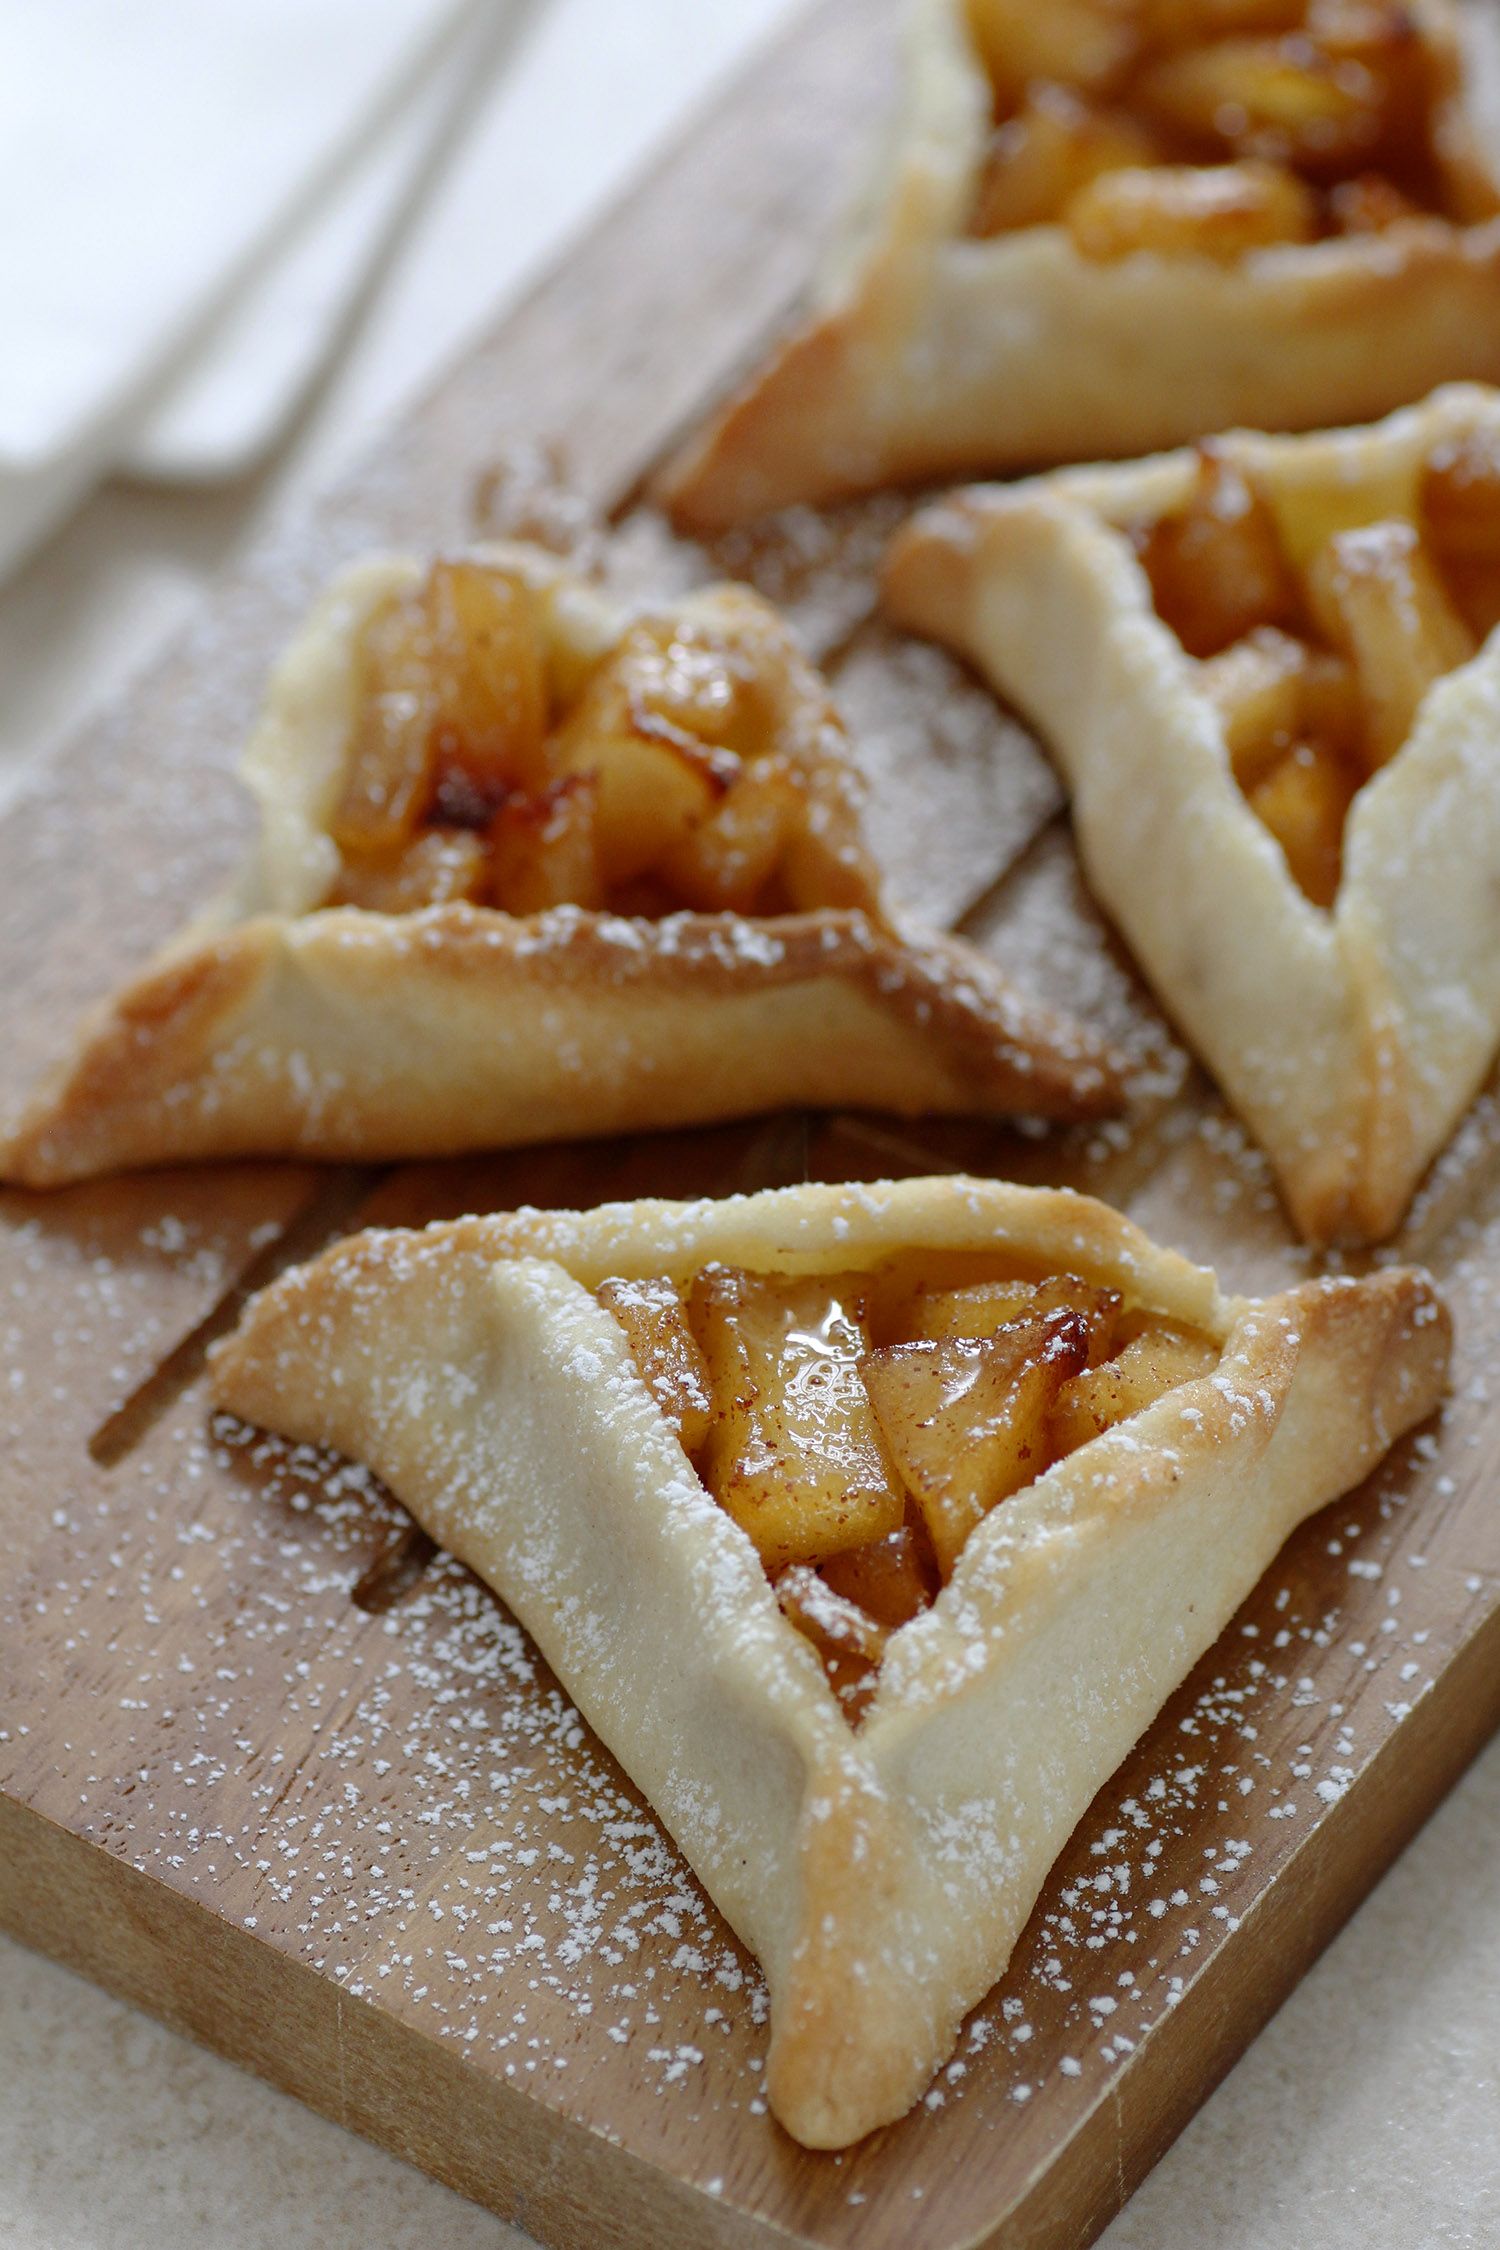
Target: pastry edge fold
x: 352, y: 1035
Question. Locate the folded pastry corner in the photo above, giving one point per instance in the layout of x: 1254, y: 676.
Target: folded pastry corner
x: 1105, y: 226
x: 531, y: 867
x: 933, y: 1490
x: 1268, y: 672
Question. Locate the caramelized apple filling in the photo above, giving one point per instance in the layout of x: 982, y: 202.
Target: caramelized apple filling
x: 1319, y: 618
x: 479, y: 769
x: 1218, y: 126
x: 859, y: 1426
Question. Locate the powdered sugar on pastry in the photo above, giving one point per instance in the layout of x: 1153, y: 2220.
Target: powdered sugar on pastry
x: 880, y: 1873
x: 533, y: 866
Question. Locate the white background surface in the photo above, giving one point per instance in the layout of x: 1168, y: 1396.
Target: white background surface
x: 1366, y: 2118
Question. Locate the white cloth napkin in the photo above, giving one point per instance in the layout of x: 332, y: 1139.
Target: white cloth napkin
x: 164, y: 163
x: 227, y: 405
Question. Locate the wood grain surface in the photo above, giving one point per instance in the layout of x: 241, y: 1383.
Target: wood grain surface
x: 278, y: 1773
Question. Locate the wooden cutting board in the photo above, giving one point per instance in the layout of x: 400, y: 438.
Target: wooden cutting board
x: 273, y: 1771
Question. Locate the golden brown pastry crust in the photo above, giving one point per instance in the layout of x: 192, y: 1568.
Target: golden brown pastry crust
x: 345, y: 1034
x: 882, y: 1877
x: 1351, y: 1041
x: 928, y: 354
x: 282, y: 1025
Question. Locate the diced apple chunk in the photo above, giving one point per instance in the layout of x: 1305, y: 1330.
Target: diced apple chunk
x: 724, y: 864
x: 794, y: 1453
x: 1383, y: 51
x: 978, y: 1311
x: 965, y: 1420
x: 1282, y: 99
x: 1220, y: 211
x: 850, y: 1642
x: 544, y: 851
x: 698, y: 684
x: 665, y: 1350
x: 450, y: 708
x: 891, y: 1579
x: 1151, y: 1364
x: 1272, y: 691
x: 1041, y: 158
x: 1304, y: 801
x: 1333, y: 712
x: 646, y: 730
x: 1071, y: 42
x: 391, y: 766
x: 490, y: 678
x: 1255, y: 686
x: 1378, y: 598
x: 1312, y: 507
x: 1215, y: 564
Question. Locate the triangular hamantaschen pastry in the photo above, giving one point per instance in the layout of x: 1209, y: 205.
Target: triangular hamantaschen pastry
x: 1105, y: 226
x: 1268, y: 672
x: 868, y: 1526
x: 533, y: 866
